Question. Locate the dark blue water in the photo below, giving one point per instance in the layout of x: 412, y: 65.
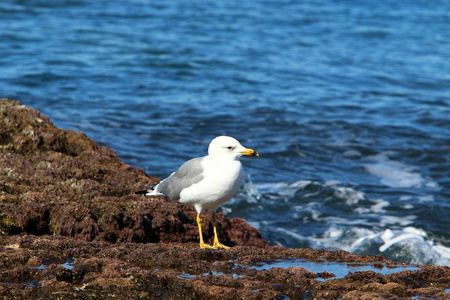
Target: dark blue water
x: 346, y: 101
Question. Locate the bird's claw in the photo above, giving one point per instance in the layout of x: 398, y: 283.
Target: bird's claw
x: 206, y: 246
x: 218, y: 244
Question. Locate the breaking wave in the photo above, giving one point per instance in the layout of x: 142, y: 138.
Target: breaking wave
x: 331, y: 216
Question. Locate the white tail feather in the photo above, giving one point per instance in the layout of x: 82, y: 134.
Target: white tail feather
x: 153, y: 193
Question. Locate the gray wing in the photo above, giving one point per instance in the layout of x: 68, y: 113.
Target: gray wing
x: 188, y: 174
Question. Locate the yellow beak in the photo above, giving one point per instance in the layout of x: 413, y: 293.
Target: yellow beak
x: 250, y: 152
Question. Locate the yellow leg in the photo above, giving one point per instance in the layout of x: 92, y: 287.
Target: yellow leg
x: 216, y: 243
x: 202, y: 243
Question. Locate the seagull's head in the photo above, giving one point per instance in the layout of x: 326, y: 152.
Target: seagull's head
x: 227, y: 147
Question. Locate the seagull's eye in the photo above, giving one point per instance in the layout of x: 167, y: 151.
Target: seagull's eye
x: 230, y: 148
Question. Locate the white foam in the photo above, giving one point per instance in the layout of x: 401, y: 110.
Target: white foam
x: 401, y: 237
x: 414, y: 230
x: 332, y: 183
x: 337, y: 238
x: 386, y: 220
x: 368, y: 235
x: 413, y: 244
x: 282, y: 189
x: 252, y: 192
x: 387, y: 235
x: 351, y: 196
x: 443, y: 251
x: 396, y: 174
x: 379, y: 206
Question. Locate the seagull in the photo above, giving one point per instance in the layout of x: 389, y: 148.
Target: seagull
x: 206, y: 182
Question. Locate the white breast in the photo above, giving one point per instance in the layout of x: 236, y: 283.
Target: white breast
x: 222, y: 180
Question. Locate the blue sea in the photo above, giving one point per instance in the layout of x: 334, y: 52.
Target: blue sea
x: 347, y: 102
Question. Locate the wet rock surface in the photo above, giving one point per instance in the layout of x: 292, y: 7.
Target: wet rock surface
x: 71, y: 228
x: 57, y: 267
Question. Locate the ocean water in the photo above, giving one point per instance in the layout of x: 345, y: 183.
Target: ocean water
x: 348, y: 103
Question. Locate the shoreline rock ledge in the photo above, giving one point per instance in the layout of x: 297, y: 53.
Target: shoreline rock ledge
x: 71, y: 228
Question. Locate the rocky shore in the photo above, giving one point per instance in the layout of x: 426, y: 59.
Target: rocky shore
x: 72, y: 228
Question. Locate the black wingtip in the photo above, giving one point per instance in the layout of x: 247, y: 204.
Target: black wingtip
x: 141, y: 192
